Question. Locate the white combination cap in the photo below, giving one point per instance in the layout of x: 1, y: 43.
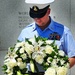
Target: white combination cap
x: 39, y: 1
x: 38, y: 8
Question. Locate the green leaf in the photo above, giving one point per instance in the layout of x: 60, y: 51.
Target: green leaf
x: 11, y: 48
x: 53, y: 54
x: 4, y: 67
x: 23, y: 71
x: 27, y: 40
x: 18, y: 41
x: 59, y: 63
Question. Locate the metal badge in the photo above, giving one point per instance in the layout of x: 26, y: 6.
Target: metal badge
x: 35, y: 8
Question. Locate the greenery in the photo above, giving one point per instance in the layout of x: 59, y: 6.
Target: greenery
x: 35, y: 50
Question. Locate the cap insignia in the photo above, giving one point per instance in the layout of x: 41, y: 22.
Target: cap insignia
x: 35, y: 8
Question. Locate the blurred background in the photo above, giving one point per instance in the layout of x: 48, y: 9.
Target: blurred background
x: 14, y: 17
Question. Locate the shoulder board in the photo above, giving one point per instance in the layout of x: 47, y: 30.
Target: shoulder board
x: 30, y: 25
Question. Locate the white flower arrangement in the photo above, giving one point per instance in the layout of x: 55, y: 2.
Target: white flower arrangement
x: 44, y: 52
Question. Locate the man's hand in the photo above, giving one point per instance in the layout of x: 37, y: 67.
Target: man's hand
x: 72, y: 61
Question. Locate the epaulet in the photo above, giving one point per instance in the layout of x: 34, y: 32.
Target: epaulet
x: 30, y: 25
x: 59, y: 25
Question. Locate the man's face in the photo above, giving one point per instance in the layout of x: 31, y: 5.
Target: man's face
x: 42, y: 21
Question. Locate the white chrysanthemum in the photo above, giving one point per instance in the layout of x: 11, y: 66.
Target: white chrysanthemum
x: 48, y: 49
x: 61, y: 53
x: 49, y: 41
x: 39, y: 58
x: 50, y: 71
x: 62, y: 71
x: 12, y: 63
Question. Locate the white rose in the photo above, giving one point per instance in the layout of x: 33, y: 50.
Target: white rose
x: 48, y: 49
x: 62, y: 71
x: 50, y: 71
x: 61, y: 53
x: 39, y: 59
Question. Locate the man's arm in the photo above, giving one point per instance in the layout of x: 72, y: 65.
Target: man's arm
x: 72, y: 61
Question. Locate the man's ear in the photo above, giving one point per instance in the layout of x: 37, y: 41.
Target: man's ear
x: 49, y: 10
